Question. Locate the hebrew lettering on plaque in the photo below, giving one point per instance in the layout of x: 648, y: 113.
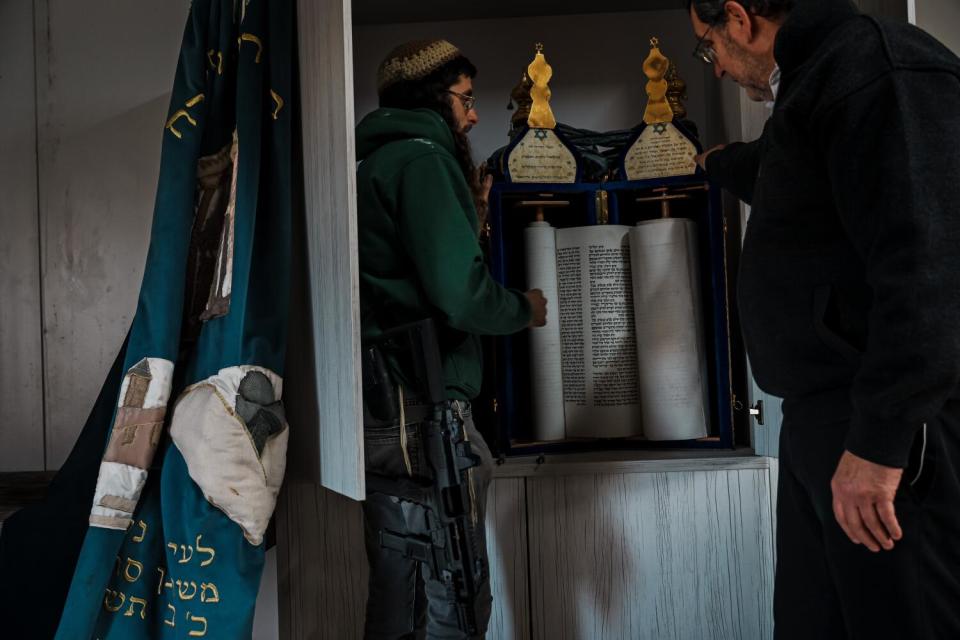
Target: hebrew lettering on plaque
x: 541, y: 156
x: 661, y: 151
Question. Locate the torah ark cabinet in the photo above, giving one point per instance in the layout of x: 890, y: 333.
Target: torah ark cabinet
x: 593, y: 542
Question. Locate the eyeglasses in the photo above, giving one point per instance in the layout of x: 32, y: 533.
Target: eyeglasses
x: 704, y: 49
x: 469, y: 102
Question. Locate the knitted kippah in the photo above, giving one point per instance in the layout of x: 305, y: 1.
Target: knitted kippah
x: 414, y: 60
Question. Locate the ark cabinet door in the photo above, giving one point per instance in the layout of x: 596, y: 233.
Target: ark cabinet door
x: 765, y: 414
x: 323, y: 372
x: 671, y: 551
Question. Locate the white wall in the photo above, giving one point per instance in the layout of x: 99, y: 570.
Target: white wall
x: 598, y: 82
x: 103, y: 92
x: 940, y: 18
x: 21, y: 359
x: 85, y: 89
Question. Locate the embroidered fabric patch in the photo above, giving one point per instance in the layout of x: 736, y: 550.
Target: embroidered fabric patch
x: 221, y: 284
x: 238, y: 466
x: 215, y: 173
x: 135, y: 436
x: 137, y: 427
x: 147, y: 384
x: 260, y: 412
x: 116, y: 496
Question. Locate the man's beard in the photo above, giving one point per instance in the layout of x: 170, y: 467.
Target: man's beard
x: 755, y: 78
x: 758, y: 95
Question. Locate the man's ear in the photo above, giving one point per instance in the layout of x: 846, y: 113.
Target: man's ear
x: 739, y: 23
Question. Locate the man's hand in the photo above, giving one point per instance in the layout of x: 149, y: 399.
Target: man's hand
x: 486, y: 183
x: 701, y: 159
x: 863, y: 494
x: 483, y: 199
x: 538, y: 308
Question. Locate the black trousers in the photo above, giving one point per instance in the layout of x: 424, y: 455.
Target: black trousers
x: 404, y: 601
x: 826, y: 586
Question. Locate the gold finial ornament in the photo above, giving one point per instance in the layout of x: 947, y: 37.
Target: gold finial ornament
x: 655, y: 67
x: 676, y: 92
x: 541, y: 116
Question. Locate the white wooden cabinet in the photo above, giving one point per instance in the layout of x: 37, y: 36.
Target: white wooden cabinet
x: 579, y: 550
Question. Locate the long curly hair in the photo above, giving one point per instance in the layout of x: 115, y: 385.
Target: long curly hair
x: 431, y: 92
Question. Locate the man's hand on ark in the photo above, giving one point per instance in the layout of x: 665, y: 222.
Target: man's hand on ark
x: 701, y: 159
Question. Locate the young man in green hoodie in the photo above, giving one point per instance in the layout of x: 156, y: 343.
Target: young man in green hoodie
x: 418, y: 195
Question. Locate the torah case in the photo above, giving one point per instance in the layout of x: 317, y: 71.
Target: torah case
x: 507, y: 387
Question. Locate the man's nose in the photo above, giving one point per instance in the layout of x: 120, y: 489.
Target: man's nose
x: 718, y: 71
x: 472, y: 117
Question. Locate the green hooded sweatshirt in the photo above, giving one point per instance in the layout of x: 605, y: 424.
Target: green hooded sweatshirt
x: 419, y: 251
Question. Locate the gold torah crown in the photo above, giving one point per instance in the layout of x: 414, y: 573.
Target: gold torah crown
x: 539, y: 72
x: 655, y: 67
x: 521, y: 96
x: 676, y: 92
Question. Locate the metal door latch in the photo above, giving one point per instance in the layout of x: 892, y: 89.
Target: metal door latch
x: 755, y: 410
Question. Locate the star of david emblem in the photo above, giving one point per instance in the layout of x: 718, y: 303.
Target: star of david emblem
x: 540, y: 134
x: 660, y: 127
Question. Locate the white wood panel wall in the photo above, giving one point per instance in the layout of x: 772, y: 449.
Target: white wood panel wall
x: 87, y: 86
x: 681, y: 555
x: 326, y: 92
x: 322, y: 566
x: 507, y: 545
x: 21, y: 358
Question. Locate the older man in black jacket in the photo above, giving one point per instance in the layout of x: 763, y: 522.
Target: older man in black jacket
x: 849, y: 295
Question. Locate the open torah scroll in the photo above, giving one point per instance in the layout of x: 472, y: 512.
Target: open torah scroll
x: 622, y: 353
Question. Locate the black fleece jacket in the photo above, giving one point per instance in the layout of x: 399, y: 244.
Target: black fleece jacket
x: 849, y: 284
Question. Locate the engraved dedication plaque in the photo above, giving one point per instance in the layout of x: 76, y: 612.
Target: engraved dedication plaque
x: 540, y: 156
x: 661, y: 151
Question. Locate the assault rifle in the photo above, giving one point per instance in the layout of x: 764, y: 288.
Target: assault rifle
x: 445, y: 539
